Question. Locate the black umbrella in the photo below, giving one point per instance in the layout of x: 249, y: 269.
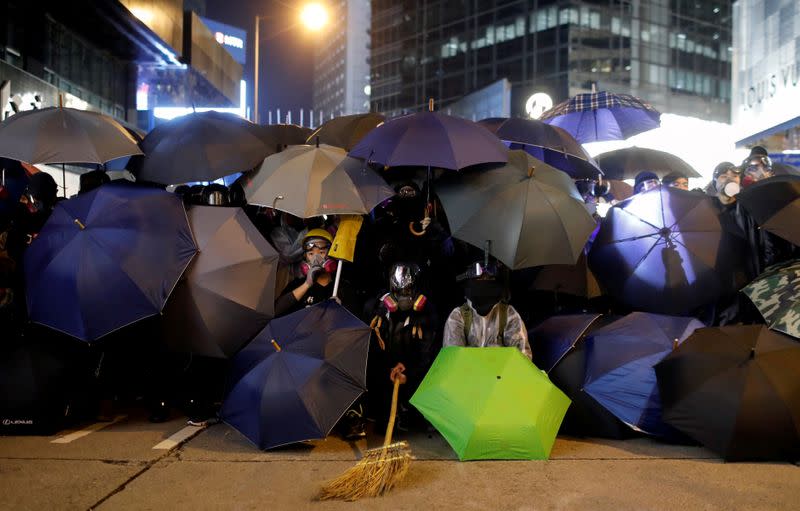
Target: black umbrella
x: 774, y: 204
x: 666, y: 250
x: 228, y: 292
x: 626, y: 163
x: 201, y: 147
x: 736, y: 390
x: 298, y: 376
x: 547, y: 143
x: 558, y: 347
x: 345, y: 131
x: 278, y: 136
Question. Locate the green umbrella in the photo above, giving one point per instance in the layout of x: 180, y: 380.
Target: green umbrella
x: 776, y: 294
x: 491, y: 403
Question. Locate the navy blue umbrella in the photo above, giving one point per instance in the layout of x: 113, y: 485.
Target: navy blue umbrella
x: 597, y: 116
x: 106, y: 259
x: 430, y: 139
x: 298, y: 376
x: 556, y: 336
x: 619, y: 366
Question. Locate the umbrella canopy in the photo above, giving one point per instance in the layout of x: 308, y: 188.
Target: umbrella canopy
x: 430, y: 139
x: 558, y: 346
x: 776, y: 294
x: 734, y: 389
x: 666, y: 250
x: 597, y: 116
x: 106, y: 259
x: 620, y: 189
x: 309, y: 181
x: 201, y: 146
x: 346, y: 131
x: 297, y: 387
x: 530, y: 212
x: 774, y: 204
x: 64, y: 135
x: 228, y: 292
x: 619, y: 366
x: 572, y: 279
x: 626, y: 163
x: 491, y: 403
x: 550, y: 144
x: 14, y: 178
x: 278, y: 136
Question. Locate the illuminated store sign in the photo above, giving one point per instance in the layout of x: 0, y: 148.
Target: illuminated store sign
x: 231, y: 38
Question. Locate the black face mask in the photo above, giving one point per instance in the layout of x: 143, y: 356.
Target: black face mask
x: 483, y: 294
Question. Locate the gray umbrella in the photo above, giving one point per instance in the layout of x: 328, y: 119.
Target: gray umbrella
x: 626, y: 163
x: 228, y: 292
x: 309, y: 181
x: 530, y: 212
x: 64, y: 135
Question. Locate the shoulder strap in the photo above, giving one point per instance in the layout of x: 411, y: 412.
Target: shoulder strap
x: 466, y: 315
x: 503, y: 311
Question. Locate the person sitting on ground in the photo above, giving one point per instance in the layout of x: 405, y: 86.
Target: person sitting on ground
x: 645, y: 180
x: 676, y: 180
x: 486, y: 318
x: 317, y: 283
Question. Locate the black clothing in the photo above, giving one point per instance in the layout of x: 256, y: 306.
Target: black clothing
x: 286, y: 302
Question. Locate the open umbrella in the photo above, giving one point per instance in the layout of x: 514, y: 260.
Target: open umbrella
x: 572, y: 279
x: 316, y: 180
x: 530, y: 213
x: 735, y: 389
x: 201, y: 146
x: 430, y: 139
x: 346, y: 131
x: 558, y: 347
x: 278, y: 136
x: 228, y: 292
x: 626, y: 163
x: 491, y: 403
x: 666, y: 250
x: 776, y: 295
x: 298, y: 376
x: 597, y: 116
x: 619, y: 366
x: 544, y: 142
x: 774, y: 204
x: 106, y: 259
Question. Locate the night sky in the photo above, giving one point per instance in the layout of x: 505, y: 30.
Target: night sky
x: 286, y: 52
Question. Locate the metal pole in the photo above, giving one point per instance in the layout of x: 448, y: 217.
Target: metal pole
x: 279, y: 116
x: 269, y: 112
x: 301, y: 117
x: 255, y: 73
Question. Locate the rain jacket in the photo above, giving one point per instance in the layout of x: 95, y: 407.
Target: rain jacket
x: 484, y: 330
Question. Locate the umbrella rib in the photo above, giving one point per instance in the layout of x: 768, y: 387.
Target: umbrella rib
x: 640, y: 219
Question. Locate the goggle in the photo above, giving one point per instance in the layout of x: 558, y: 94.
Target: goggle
x: 407, y: 192
x: 735, y: 170
x: 478, y: 270
x: 319, y: 244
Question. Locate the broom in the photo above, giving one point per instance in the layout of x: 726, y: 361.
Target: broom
x: 379, y: 469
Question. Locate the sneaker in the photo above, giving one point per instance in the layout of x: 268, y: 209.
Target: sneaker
x: 353, y: 424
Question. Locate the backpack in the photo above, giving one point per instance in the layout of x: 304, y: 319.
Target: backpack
x: 466, y: 313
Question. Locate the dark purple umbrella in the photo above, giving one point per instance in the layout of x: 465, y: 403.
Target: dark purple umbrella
x: 628, y: 162
x: 666, y: 250
x: 547, y: 143
x: 596, y: 116
x: 106, y: 259
x: 430, y: 139
x: 556, y: 336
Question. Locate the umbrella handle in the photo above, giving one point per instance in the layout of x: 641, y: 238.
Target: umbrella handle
x: 393, y: 413
x: 414, y: 231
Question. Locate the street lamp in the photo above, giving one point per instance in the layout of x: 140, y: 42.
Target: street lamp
x: 313, y: 16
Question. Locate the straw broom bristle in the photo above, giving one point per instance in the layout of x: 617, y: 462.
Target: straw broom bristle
x: 378, y: 471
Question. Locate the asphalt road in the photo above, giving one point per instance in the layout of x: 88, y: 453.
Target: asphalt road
x: 133, y: 464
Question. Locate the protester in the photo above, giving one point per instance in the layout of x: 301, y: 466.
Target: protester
x: 676, y: 180
x: 403, y: 344
x: 755, y: 168
x: 726, y: 182
x: 645, y: 180
x: 91, y: 180
x: 486, y: 318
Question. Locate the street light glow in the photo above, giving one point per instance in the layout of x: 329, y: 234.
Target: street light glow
x: 314, y: 16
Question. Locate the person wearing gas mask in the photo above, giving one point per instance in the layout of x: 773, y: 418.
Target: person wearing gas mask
x: 486, y: 318
x: 317, y: 281
x: 726, y: 183
x: 403, y: 346
x: 756, y: 167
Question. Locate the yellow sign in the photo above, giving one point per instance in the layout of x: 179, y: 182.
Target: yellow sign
x: 344, y: 244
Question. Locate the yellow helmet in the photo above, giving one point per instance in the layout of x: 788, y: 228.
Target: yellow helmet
x: 318, y: 233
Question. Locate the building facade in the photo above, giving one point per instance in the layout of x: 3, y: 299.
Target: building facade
x: 765, y: 107
x: 121, y: 58
x: 341, y: 61
x: 674, y: 54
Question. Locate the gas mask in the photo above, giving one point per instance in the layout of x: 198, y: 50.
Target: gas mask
x: 755, y: 169
x: 403, y: 289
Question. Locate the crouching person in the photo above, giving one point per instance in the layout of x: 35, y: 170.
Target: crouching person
x: 486, y: 318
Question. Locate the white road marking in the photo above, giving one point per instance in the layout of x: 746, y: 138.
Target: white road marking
x: 176, y: 438
x: 86, y: 431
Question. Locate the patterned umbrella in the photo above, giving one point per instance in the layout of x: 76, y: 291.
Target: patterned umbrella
x: 597, y: 116
x: 776, y: 294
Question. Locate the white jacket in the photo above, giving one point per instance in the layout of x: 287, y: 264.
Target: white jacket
x: 484, y: 330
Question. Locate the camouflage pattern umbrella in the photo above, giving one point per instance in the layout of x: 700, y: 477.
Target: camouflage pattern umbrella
x: 776, y: 294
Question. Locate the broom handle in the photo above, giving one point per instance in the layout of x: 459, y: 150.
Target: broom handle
x: 393, y: 413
